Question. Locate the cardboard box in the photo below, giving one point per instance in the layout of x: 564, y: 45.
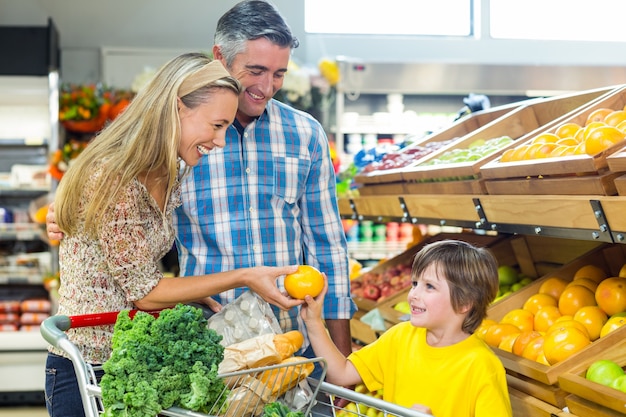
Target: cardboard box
x: 520, y: 124
x: 570, y: 172
x: 543, y: 378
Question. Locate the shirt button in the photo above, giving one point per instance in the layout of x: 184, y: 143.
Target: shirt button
x: 248, y: 170
x: 251, y: 209
x: 256, y: 248
x: 245, y: 134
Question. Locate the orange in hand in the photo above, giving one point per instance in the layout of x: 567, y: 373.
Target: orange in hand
x: 307, y: 280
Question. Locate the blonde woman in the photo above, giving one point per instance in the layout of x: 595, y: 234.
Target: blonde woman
x: 115, y: 206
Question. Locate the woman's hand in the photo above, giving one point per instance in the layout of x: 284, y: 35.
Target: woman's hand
x: 422, y: 409
x: 262, y: 281
x: 54, y: 233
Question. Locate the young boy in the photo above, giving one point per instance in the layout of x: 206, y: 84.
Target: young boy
x: 434, y: 363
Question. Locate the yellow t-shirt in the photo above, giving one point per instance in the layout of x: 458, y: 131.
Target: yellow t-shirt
x: 463, y: 380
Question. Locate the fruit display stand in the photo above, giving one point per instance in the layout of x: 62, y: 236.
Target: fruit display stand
x: 541, y: 380
x: 585, y: 394
x: 617, y: 164
x: 434, y: 174
x: 531, y: 256
x: 579, y: 174
x: 525, y: 405
x: 393, y: 177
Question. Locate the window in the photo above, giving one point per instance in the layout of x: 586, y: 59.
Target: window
x: 563, y: 20
x: 389, y: 17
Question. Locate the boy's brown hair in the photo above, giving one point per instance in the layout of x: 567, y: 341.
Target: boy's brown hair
x: 471, y: 272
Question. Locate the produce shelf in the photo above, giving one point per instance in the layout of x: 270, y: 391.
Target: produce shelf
x: 582, y: 217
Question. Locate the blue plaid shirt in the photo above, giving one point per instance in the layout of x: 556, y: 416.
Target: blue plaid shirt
x: 267, y: 198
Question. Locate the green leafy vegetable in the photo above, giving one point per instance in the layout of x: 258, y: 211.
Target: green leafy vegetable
x: 278, y: 409
x: 157, y: 363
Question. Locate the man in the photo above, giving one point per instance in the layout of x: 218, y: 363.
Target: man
x: 267, y: 198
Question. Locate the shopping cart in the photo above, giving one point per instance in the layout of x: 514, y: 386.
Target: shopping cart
x: 354, y: 404
x: 246, y: 391
x: 313, y: 397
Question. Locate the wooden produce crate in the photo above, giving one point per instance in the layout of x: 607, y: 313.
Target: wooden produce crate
x: 565, y: 175
x: 525, y: 405
x: 586, y: 408
x: 533, y: 256
x: 620, y: 184
x: 458, y: 129
x: 574, y: 381
x: 520, y: 124
x: 617, y: 166
x: 542, y: 380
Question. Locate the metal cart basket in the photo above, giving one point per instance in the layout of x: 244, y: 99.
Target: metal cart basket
x: 313, y: 397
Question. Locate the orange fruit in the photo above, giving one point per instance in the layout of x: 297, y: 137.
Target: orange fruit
x: 615, y: 118
x: 567, y: 130
x: 523, y: 339
x: 553, y: 286
x: 506, y: 155
x: 497, y: 332
x: 307, y: 280
x: 534, y: 348
x: 611, y: 295
x: 590, y: 271
x: 569, y: 322
x: 602, y: 138
x: 541, y: 358
x: 545, y: 150
x: 622, y: 271
x: 575, y: 297
x: 537, y: 301
x: 560, y: 150
x: 545, y: 138
x: 507, y: 342
x: 593, y: 318
x: 546, y: 317
x: 612, y: 324
x: 519, y: 153
x: 585, y: 282
x: 598, y: 115
x: 522, y: 319
x: 622, y: 126
x: 589, y: 128
x: 483, y: 327
x: 563, y: 343
x: 580, y: 148
x: 567, y: 141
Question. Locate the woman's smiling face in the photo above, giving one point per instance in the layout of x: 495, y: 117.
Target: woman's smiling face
x: 204, y: 127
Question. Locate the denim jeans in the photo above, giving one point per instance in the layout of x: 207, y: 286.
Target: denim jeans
x: 62, y: 393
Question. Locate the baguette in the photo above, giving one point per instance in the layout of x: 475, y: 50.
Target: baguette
x: 282, y: 379
x: 286, y: 344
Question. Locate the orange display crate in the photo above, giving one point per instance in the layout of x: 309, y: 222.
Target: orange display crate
x: 541, y: 379
x: 520, y: 124
x: 575, y: 174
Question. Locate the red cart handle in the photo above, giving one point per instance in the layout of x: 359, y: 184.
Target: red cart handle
x: 102, y: 319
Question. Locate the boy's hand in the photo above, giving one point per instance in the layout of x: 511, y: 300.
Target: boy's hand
x: 312, y: 308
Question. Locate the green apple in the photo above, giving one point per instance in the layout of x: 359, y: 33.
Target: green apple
x: 507, y: 275
x: 604, y: 372
x: 619, y: 383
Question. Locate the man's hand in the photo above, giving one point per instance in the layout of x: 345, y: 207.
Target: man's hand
x: 52, y: 228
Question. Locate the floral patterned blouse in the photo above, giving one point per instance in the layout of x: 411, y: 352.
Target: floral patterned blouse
x: 119, y: 267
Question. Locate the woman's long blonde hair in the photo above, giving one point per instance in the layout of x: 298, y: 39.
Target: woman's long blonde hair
x: 143, y: 140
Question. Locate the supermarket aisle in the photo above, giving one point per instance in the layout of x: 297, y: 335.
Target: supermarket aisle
x: 23, y: 412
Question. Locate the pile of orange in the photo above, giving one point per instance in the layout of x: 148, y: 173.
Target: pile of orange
x: 563, y: 317
x: 603, y: 128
